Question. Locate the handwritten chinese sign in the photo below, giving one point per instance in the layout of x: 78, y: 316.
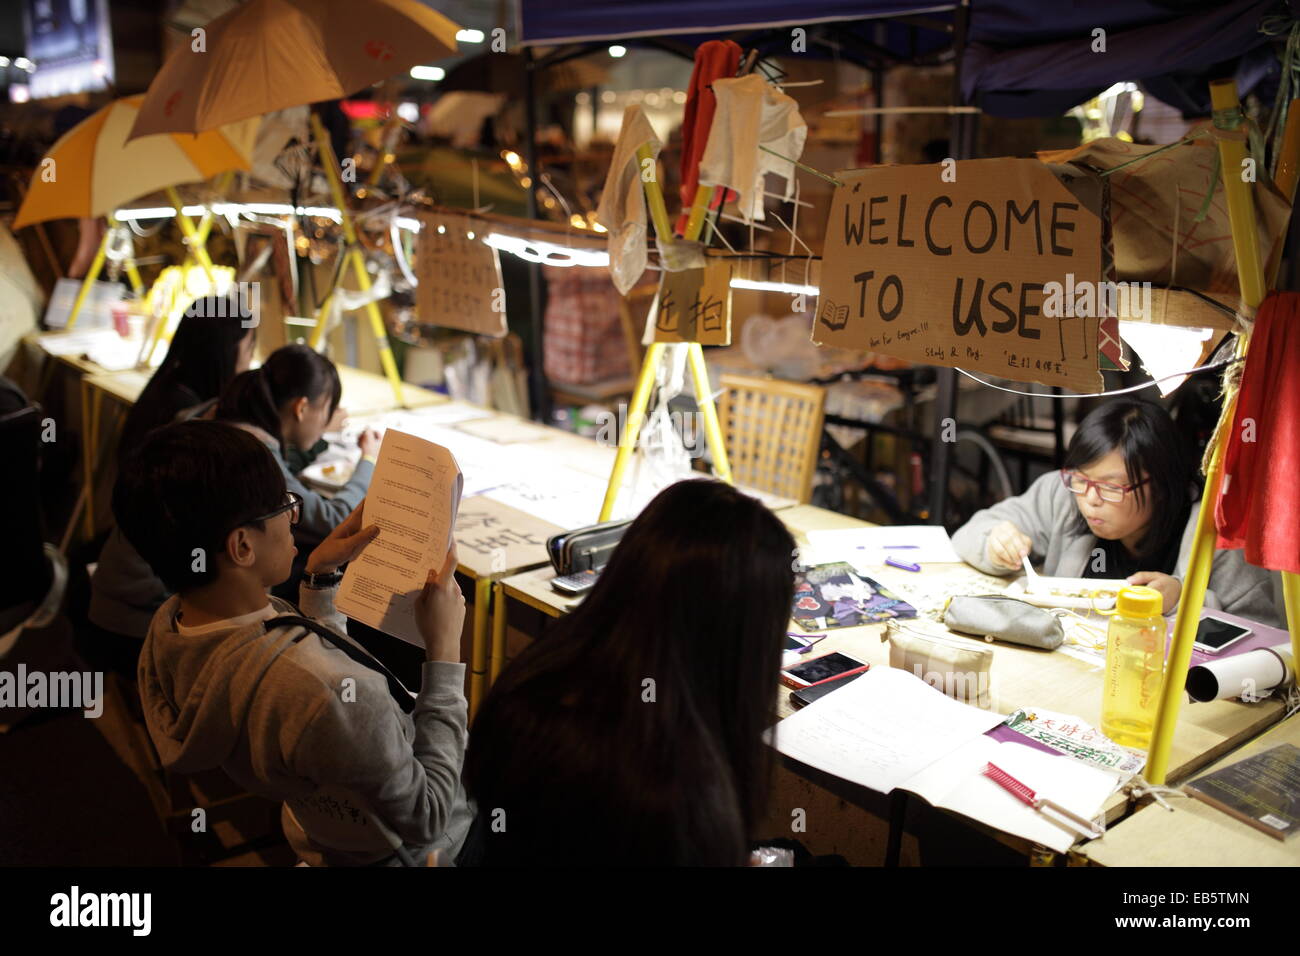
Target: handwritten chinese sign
x: 693, y: 306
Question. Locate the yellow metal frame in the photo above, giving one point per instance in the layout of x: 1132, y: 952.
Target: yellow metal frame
x: 1250, y: 273
x: 194, y: 241
x: 654, y: 355
x: 353, y: 258
x: 96, y: 266
x: 479, y: 643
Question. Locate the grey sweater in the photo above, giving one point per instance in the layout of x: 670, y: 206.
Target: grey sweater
x: 300, y: 721
x: 1047, y: 514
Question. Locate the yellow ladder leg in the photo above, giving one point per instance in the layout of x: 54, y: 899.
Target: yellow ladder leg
x: 1250, y: 274
x: 498, y: 632
x: 704, y: 398
x: 194, y: 240
x: 479, y: 645
x: 330, y: 163
x: 632, y: 427
x: 91, y: 275
x: 132, y: 273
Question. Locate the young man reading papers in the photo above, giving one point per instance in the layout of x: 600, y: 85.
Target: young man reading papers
x: 287, y: 705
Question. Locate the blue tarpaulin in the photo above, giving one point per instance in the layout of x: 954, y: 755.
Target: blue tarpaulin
x: 1021, y: 58
x: 1022, y: 65
x: 577, y: 21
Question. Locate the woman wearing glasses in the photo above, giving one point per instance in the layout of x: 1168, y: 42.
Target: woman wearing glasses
x: 1124, y: 506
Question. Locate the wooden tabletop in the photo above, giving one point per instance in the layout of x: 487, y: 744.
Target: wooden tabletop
x: 123, y: 386
x: 366, y: 392
x: 1194, y: 833
x: 1019, y: 676
x: 363, y: 392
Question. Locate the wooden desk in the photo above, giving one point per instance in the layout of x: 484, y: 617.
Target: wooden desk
x: 1194, y: 833
x: 124, y: 389
x: 533, y: 588
x: 493, y: 540
x: 363, y: 392
x: 1019, y: 676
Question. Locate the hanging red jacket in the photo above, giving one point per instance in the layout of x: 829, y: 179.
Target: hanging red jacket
x: 1259, y: 496
x: 713, y: 60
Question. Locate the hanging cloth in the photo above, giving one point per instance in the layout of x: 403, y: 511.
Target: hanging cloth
x: 1259, y: 506
x: 714, y: 60
x: 622, y: 203
x: 752, y: 113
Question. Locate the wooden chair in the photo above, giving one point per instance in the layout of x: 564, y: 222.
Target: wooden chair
x: 772, y: 430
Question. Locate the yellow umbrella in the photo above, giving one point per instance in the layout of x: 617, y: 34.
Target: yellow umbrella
x: 271, y: 54
x: 93, y: 170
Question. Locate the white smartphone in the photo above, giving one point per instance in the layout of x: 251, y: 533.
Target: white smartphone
x: 1213, y: 635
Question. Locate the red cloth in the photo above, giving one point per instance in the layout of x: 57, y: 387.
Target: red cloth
x: 713, y: 60
x: 1259, y: 500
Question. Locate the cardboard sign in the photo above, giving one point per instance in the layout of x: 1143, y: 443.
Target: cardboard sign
x: 495, y: 539
x: 953, y: 273
x: 693, y: 306
x: 460, y: 278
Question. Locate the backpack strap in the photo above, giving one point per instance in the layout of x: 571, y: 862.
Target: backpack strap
x: 395, y: 687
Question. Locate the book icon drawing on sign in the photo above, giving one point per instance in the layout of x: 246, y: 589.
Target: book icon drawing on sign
x: 832, y: 316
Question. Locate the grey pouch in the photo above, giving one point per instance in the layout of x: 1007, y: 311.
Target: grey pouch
x: 1005, y: 619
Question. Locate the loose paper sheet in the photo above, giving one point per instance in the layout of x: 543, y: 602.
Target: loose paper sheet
x: 957, y: 783
x: 414, y: 496
x: 557, y: 494
x: 912, y: 544
x: 929, y: 592
x: 881, y: 729
x: 952, y: 271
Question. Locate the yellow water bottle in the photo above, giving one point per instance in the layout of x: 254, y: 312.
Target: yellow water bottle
x: 1135, y: 665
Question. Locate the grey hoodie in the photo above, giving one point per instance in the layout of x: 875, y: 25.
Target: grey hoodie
x: 124, y: 591
x: 1047, y: 514
x: 300, y: 721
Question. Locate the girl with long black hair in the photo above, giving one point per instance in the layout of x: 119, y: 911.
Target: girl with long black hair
x: 211, y: 346
x: 632, y: 735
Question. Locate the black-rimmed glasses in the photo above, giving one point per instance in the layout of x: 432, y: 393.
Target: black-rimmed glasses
x: 293, y: 506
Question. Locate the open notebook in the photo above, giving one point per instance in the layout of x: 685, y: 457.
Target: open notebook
x: 890, y: 729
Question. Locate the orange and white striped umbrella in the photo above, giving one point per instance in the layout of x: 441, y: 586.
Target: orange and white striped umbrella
x: 93, y: 170
x: 268, y: 55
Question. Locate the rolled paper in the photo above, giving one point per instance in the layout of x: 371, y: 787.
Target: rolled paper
x: 1249, y: 676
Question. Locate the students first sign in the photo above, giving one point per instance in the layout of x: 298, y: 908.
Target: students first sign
x: 962, y: 265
